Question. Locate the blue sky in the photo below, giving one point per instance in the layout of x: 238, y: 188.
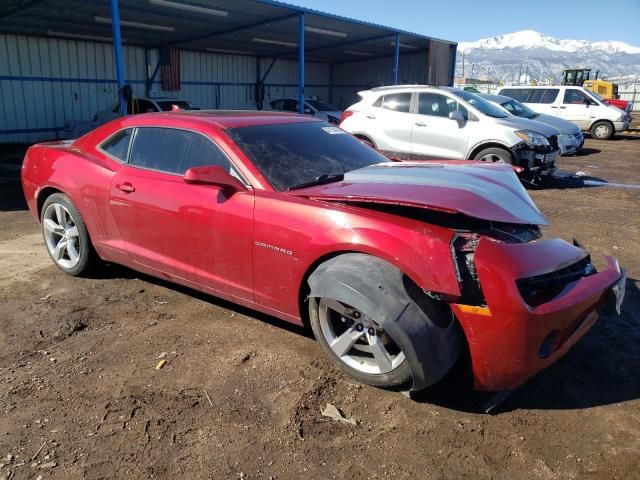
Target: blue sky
x: 467, y: 20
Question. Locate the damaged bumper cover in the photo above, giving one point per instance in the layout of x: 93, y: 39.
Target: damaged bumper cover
x: 511, y: 340
x: 540, y: 160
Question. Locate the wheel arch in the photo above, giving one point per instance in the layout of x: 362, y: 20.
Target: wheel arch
x: 362, y: 136
x: 45, y: 193
x: 431, y: 349
x: 491, y: 144
x: 603, y: 120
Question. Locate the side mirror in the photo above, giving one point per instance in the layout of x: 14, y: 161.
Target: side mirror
x: 213, y: 175
x: 458, y: 116
x: 308, y: 111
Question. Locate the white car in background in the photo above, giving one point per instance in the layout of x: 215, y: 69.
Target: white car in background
x: 416, y: 122
x: 312, y: 106
x: 583, y: 107
x: 142, y: 105
x: 570, y: 139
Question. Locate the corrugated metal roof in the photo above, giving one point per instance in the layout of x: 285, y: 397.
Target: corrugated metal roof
x: 263, y: 28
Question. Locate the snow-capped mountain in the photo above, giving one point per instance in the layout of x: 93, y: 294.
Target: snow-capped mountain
x: 527, y: 55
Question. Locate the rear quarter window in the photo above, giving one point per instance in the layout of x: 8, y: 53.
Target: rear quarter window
x: 117, y: 145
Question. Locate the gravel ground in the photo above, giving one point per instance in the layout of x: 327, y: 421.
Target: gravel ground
x: 241, y: 393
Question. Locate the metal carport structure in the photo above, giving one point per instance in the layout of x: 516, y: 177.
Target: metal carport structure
x: 261, y: 31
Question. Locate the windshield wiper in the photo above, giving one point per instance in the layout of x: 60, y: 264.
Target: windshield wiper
x: 320, y: 180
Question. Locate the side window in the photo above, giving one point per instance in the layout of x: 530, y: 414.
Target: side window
x: 519, y: 94
x: 575, y: 97
x: 378, y: 102
x: 136, y: 106
x: 277, y: 104
x: 117, y: 145
x: 435, y: 105
x: 290, y: 105
x: 543, y: 95
x: 174, y: 151
x: 398, y: 102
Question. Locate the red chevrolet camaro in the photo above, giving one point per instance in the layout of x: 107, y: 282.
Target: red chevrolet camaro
x: 396, y: 267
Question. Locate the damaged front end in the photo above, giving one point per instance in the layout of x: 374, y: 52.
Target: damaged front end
x: 537, y: 159
x: 525, y: 304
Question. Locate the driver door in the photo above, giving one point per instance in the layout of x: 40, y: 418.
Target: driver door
x: 434, y: 134
x: 173, y: 229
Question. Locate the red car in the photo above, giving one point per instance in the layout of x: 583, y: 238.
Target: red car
x: 396, y: 267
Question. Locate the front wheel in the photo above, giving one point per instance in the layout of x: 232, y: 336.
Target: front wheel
x: 494, y: 155
x: 357, y: 344
x: 65, y: 235
x: 602, y: 130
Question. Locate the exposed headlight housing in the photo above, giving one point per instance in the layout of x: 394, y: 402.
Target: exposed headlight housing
x: 532, y: 138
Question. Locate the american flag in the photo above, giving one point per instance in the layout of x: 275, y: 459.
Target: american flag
x: 170, y: 69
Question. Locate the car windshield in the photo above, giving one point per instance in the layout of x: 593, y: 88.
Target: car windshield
x: 292, y: 154
x: 596, y: 96
x: 322, y: 106
x: 518, y: 109
x: 480, y: 104
x: 167, y: 105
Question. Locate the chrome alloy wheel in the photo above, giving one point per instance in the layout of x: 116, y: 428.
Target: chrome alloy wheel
x: 357, y: 340
x: 61, y: 235
x: 492, y: 157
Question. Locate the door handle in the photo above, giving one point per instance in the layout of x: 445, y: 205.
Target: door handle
x: 126, y: 187
x: 420, y: 124
x: 371, y: 117
x: 553, y: 107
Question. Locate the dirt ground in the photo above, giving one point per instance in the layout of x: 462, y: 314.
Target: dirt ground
x: 241, y: 393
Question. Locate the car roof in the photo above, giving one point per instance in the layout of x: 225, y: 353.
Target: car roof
x: 220, y: 118
x: 494, y: 98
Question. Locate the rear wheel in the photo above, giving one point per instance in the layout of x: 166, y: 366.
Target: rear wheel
x: 65, y: 235
x: 494, y: 155
x: 602, y: 130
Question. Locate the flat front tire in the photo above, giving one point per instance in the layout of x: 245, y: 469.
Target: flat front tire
x: 65, y: 235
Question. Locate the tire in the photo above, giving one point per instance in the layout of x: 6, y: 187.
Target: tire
x: 355, y: 340
x: 602, y: 130
x: 65, y: 236
x: 495, y: 155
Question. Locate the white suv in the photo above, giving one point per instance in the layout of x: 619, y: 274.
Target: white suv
x: 586, y: 109
x: 416, y: 122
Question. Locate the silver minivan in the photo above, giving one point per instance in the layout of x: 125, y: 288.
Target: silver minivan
x: 417, y: 122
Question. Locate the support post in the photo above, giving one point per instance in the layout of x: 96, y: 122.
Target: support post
x: 301, y: 63
x: 453, y: 49
x: 117, y: 53
x: 396, y: 59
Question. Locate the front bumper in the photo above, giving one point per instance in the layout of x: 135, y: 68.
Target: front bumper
x: 570, y: 144
x: 539, y: 160
x: 511, y: 341
x: 621, y: 126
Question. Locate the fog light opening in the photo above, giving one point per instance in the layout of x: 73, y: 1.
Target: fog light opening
x: 549, y: 344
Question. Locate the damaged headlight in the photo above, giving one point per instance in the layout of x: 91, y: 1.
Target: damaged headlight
x: 532, y: 138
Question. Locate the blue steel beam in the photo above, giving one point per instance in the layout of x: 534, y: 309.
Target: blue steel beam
x: 231, y: 30
x: 266, y: 74
x: 117, y: 52
x: 396, y: 59
x: 301, y: 63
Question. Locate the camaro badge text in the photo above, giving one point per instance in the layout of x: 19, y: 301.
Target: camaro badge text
x: 274, y: 248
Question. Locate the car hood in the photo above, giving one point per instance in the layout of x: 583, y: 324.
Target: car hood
x: 526, y: 124
x: 484, y: 191
x: 565, y: 126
